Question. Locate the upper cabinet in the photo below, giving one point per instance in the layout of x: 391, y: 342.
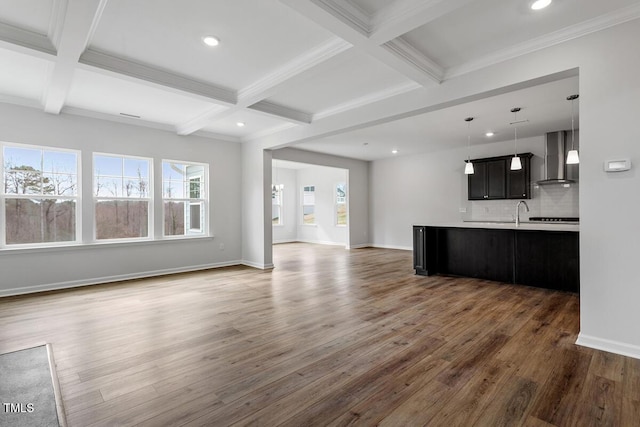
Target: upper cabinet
x: 493, y: 179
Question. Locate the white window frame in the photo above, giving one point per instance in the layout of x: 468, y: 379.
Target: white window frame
x: 337, y: 203
x: 5, y: 196
x: 149, y: 199
x: 203, y: 201
x: 315, y: 222
x: 280, y: 189
x: 200, y: 204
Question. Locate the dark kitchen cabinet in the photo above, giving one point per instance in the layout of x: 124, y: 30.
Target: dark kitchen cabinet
x: 519, y: 182
x: 424, y: 255
x: 548, y: 259
x: 480, y: 253
x: 419, y: 249
x: 493, y: 180
x: 488, y: 180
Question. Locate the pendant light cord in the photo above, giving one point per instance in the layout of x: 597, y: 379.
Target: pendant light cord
x: 573, y: 132
x: 515, y: 130
x: 469, y: 140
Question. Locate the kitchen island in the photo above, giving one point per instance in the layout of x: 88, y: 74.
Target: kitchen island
x: 534, y: 254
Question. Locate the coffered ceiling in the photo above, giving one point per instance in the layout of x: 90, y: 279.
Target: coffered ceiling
x: 280, y: 64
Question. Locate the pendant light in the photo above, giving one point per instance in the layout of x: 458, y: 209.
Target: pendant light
x: 572, y: 155
x: 468, y: 167
x: 516, y: 164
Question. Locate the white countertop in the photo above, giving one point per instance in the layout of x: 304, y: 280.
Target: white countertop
x: 542, y: 226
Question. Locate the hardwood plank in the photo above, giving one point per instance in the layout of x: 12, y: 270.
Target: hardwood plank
x: 561, y: 395
x: 513, y: 406
x: 327, y: 337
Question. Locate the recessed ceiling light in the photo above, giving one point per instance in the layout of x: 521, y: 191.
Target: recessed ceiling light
x: 240, y: 124
x: 540, y: 4
x: 210, y: 41
x: 489, y: 134
x: 394, y: 151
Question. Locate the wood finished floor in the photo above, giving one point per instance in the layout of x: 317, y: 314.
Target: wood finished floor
x: 330, y: 337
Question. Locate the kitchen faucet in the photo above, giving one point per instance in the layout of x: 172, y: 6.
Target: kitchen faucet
x: 518, y: 211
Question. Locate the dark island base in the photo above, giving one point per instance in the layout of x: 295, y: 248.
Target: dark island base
x: 541, y: 258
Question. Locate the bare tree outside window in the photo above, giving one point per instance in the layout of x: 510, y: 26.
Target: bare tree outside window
x: 40, y: 192
x: 121, y: 196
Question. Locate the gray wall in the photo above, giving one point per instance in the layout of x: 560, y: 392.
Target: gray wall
x: 28, y: 270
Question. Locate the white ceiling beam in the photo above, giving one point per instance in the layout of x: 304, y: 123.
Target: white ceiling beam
x: 332, y: 15
x: 281, y: 111
x: 24, y: 41
x: 122, y: 67
x: 74, y: 29
x: 402, y: 16
x: 268, y: 85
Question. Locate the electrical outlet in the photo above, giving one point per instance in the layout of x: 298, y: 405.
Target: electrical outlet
x: 462, y: 210
x: 222, y: 246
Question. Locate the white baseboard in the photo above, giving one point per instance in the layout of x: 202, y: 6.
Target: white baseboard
x: 402, y: 248
x: 616, y: 347
x: 361, y: 245
x: 257, y: 265
x: 110, y: 279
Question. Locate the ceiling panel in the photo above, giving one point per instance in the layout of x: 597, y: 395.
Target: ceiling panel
x: 22, y: 75
x: 256, y: 37
x: 33, y: 15
x: 544, y: 106
x: 349, y: 76
x: 253, y: 123
x: 483, y: 27
x: 110, y: 95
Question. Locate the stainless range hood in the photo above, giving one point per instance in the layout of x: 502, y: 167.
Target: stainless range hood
x: 556, y: 170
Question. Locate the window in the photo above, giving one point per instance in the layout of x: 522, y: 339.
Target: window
x: 341, y: 204
x: 276, y: 204
x: 309, y: 205
x: 184, y: 197
x: 122, y: 195
x: 40, y: 195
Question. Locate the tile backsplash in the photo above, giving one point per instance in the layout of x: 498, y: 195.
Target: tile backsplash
x: 546, y: 200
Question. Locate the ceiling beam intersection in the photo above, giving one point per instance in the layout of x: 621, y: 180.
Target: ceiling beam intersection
x: 74, y: 28
x: 253, y: 96
x: 334, y: 16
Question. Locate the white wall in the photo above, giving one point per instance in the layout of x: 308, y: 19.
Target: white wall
x: 610, y: 202
x: 325, y: 230
x: 256, y: 206
x: 38, y: 269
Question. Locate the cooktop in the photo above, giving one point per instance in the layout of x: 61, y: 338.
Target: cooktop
x: 555, y: 218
